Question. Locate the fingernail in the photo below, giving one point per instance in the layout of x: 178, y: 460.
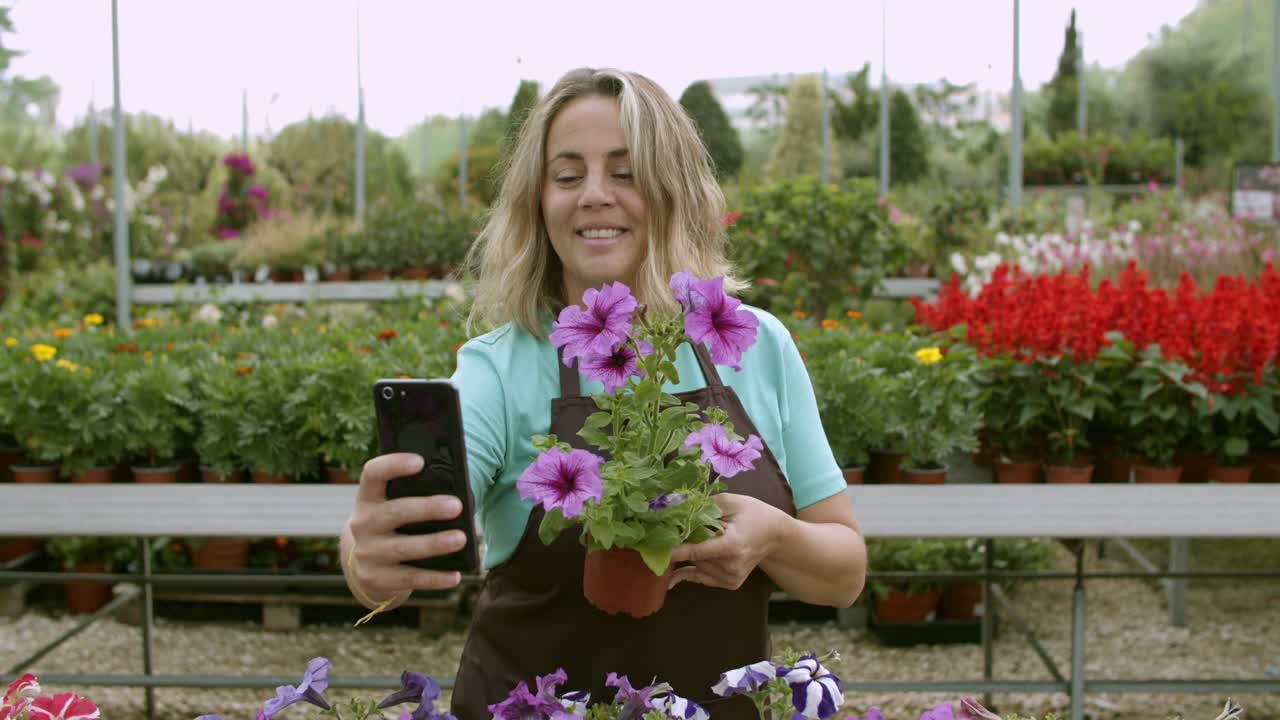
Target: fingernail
x: 457, y: 539
x: 415, y: 463
x: 453, y: 505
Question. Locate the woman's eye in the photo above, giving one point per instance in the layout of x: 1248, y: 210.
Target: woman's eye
x: 623, y: 174
x: 566, y: 178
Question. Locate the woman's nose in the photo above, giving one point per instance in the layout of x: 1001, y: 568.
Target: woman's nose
x: 595, y: 191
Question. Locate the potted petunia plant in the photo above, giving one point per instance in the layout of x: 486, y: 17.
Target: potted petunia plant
x: 661, y: 459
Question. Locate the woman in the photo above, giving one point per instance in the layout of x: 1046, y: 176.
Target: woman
x: 608, y: 182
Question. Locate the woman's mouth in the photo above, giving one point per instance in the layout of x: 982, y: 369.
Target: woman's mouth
x: 601, y: 237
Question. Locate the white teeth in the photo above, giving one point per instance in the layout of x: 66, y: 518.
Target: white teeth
x: 600, y: 234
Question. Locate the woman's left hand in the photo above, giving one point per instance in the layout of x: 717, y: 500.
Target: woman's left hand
x: 751, y: 530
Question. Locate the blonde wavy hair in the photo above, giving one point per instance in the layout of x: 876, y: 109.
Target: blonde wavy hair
x: 518, y: 274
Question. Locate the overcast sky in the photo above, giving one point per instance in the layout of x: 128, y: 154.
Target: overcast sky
x: 190, y: 60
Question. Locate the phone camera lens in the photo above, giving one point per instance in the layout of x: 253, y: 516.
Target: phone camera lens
x: 388, y: 393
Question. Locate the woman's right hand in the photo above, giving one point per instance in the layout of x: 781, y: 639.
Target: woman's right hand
x: 377, y: 568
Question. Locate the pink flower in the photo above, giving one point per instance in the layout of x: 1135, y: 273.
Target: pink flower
x: 1269, y: 255
x: 227, y: 233
x: 63, y: 706
x: 717, y: 320
x: 598, y: 329
x: 730, y: 218
x: 18, y: 697
x: 724, y: 455
x: 562, y: 480
x: 613, y: 369
x: 257, y: 192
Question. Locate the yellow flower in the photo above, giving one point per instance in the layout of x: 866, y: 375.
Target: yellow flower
x: 93, y: 319
x: 147, y: 355
x: 62, y: 333
x: 928, y: 356
x: 43, y: 352
x: 67, y: 365
x: 10, y: 342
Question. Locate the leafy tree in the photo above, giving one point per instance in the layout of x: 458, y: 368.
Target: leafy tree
x: 317, y: 157
x: 908, y: 145
x: 799, y: 150
x: 719, y: 135
x: 1064, y: 88
x: 526, y: 97
x: 20, y: 95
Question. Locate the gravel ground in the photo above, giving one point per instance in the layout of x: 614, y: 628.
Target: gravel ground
x: 1234, y: 632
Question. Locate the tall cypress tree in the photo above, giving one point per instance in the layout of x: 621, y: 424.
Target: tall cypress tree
x: 526, y: 97
x: 1064, y: 87
x: 719, y: 135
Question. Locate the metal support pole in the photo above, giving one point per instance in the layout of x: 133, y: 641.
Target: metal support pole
x: 1082, y: 95
x: 1178, y: 551
x: 884, y: 103
x: 359, y: 179
x: 1077, y: 638
x: 1275, y: 81
x: 1178, y: 152
x: 462, y: 161
x: 826, y: 144
x: 119, y: 176
x: 91, y: 128
x: 988, y: 617
x: 1015, y: 125
x: 148, y: 625
x: 244, y: 122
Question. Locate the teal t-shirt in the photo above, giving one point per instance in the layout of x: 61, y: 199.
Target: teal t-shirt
x: 507, y: 378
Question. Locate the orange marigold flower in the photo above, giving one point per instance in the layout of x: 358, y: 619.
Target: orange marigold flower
x: 830, y: 324
x: 243, y: 370
x: 853, y: 314
x: 169, y: 346
x: 386, y: 334
x: 444, y: 323
x: 798, y: 314
x: 147, y: 355
x: 126, y: 348
x: 456, y: 347
x: 366, y: 350
x: 245, y: 355
x: 62, y: 333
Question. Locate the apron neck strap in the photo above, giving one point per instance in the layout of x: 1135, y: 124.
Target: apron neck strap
x: 570, y: 387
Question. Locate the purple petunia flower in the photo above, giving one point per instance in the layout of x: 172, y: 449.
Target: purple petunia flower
x: 662, y: 502
x: 523, y: 705
x: 421, y: 689
x: 635, y: 702
x: 873, y: 713
x: 314, y: 682
x: 724, y: 455
x: 682, y: 285
x: 86, y: 175
x: 257, y: 192
x: 562, y: 480
x: 718, y: 320
x: 678, y: 708
x: 612, y: 369
x: 598, y: 329
x: 815, y: 692
x: 746, y: 679
x: 239, y: 162
x: 226, y: 233
x: 941, y: 711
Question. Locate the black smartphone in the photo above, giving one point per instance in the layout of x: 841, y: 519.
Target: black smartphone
x: 425, y: 417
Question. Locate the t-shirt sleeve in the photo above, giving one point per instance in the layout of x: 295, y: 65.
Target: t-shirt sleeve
x: 483, y: 416
x: 811, y: 467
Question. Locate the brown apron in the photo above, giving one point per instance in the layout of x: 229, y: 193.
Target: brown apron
x: 531, y: 617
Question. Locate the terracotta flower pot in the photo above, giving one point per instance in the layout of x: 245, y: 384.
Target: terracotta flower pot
x: 222, y: 554
x: 617, y: 581
x: 416, y: 273
x: 960, y: 601
x: 1149, y: 474
x: 209, y: 475
x: 35, y: 473
x: 854, y: 476
x: 906, y: 608
x: 157, y: 475
x: 93, y: 475
x: 1068, y: 474
x: 262, y: 477
x: 1230, y: 473
x: 376, y: 275
x: 936, y: 476
x: 886, y: 467
x: 14, y: 548
x: 340, y: 476
x: 1020, y: 472
x: 338, y: 276
x: 1268, y: 468
x: 82, y: 598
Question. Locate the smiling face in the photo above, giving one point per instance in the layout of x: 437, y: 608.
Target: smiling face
x: 593, y: 210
